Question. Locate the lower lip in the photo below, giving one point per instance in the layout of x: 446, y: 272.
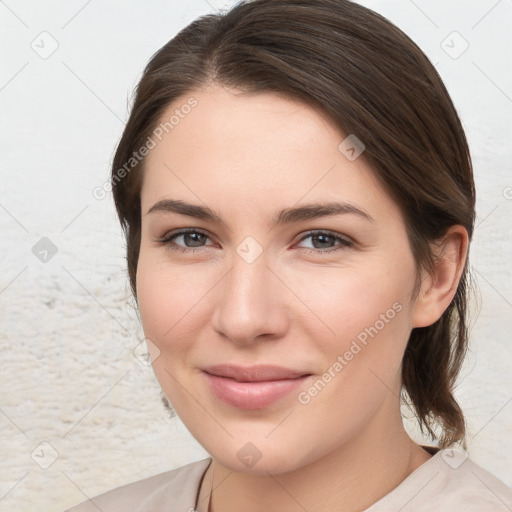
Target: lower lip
x: 252, y: 395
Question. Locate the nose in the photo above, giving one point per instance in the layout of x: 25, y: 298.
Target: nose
x: 250, y: 303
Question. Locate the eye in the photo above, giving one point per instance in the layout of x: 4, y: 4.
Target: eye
x: 192, y: 240
x: 326, y: 242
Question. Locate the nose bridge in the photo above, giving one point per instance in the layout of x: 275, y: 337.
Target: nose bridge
x: 248, y: 305
x: 249, y: 278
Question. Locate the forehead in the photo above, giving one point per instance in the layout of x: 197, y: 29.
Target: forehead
x: 253, y: 149
x: 235, y: 126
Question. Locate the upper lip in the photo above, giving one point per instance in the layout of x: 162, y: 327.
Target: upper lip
x: 256, y: 373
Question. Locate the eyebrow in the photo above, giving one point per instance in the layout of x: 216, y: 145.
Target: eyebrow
x: 287, y: 215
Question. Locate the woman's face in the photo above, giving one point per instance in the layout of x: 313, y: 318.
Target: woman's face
x: 268, y: 275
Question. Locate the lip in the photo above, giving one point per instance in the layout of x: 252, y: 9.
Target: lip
x: 253, y: 387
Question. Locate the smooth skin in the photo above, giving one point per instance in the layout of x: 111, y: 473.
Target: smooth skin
x: 299, y: 304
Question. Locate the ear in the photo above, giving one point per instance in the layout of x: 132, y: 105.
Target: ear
x: 438, y: 289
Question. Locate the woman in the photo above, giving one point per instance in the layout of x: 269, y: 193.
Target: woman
x: 297, y: 195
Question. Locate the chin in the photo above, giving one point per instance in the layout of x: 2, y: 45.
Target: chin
x: 262, y: 458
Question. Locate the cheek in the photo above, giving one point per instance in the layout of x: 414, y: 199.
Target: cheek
x: 369, y: 314
x: 363, y: 318
x: 169, y: 301
x: 348, y: 300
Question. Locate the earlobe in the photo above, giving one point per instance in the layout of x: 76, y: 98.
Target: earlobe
x: 438, y: 288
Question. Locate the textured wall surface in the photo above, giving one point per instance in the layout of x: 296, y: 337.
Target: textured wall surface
x: 79, y: 413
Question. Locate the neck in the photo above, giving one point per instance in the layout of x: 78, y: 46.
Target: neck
x: 356, y: 475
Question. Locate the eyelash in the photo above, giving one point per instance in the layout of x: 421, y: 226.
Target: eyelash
x: 344, y: 242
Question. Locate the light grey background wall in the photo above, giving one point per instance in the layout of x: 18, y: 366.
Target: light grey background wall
x: 79, y: 412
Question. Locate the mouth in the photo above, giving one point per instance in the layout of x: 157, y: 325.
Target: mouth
x: 254, y: 387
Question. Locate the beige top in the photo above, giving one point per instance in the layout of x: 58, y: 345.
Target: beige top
x: 447, y: 482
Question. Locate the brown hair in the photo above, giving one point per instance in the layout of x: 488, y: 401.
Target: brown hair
x: 372, y: 81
